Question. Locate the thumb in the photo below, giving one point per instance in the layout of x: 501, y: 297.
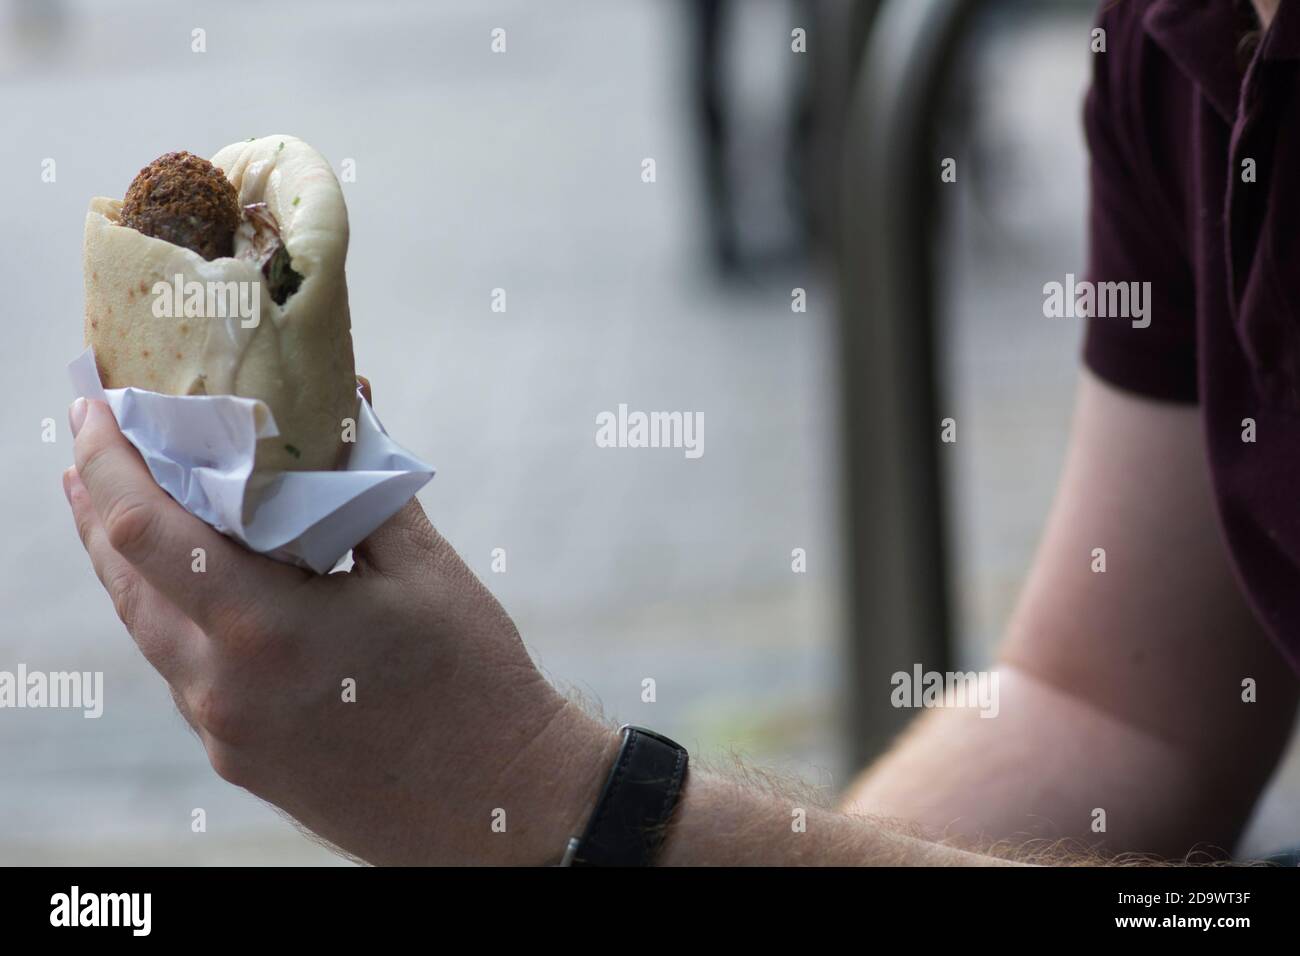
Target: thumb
x: 404, y: 545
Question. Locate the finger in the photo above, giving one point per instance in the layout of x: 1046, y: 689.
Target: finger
x: 402, y: 546
x: 161, y: 632
x: 159, y: 538
x: 365, y: 390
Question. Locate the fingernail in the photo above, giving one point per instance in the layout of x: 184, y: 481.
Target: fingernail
x: 77, y: 416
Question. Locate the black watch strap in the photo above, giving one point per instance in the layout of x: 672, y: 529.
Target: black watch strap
x: 627, y: 827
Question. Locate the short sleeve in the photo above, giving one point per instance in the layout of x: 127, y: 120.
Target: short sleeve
x: 1134, y: 233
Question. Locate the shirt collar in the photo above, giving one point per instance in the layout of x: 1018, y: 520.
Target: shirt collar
x: 1200, y: 36
x: 1282, y: 40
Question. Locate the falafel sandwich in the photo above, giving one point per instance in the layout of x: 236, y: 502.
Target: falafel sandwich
x: 227, y: 278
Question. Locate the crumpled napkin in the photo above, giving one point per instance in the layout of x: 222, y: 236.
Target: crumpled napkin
x: 200, y: 449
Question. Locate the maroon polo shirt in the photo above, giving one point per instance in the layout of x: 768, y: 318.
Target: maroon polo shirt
x: 1171, y: 117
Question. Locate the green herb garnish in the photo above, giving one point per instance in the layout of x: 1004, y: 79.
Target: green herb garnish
x: 295, y: 200
x: 293, y: 451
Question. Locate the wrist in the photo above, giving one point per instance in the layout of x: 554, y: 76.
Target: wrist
x: 636, y: 804
x: 558, y: 780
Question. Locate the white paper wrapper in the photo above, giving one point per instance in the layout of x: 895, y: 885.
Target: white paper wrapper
x: 200, y: 449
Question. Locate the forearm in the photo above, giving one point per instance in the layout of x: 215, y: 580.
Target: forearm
x: 1051, y: 767
x: 723, y: 818
x: 724, y: 822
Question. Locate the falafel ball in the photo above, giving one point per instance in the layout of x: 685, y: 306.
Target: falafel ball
x: 185, y: 200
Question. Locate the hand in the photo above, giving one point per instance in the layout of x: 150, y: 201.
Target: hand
x: 451, y: 720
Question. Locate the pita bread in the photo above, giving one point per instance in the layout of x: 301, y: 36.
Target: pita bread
x: 297, y: 357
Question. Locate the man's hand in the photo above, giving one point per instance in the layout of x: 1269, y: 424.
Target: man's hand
x: 451, y: 721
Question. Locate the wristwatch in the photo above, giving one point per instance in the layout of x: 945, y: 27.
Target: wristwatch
x: 635, y: 805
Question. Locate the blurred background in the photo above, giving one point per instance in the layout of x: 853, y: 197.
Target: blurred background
x: 776, y: 170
